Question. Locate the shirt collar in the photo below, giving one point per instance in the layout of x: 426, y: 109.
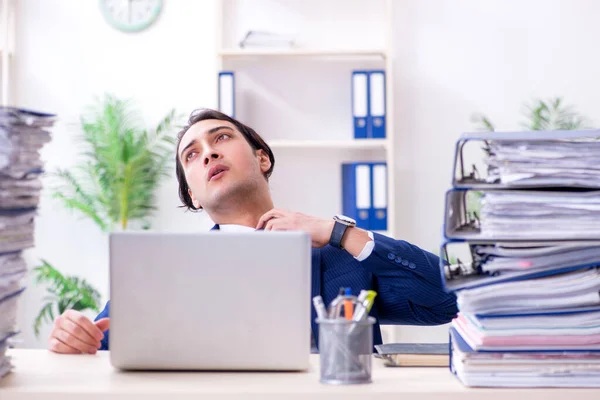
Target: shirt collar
x: 232, y: 228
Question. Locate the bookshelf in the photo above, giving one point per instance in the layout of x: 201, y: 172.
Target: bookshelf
x: 299, y: 98
x: 357, y: 53
x: 330, y: 144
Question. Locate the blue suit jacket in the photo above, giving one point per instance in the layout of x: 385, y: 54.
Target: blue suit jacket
x: 407, y: 280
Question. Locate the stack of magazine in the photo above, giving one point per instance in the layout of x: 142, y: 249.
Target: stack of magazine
x: 522, y: 252
x: 22, y: 134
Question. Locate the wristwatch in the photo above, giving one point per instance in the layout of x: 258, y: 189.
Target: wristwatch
x: 342, y: 223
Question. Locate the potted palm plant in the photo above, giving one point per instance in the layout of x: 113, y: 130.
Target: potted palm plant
x: 113, y: 185
x: 542, y: 115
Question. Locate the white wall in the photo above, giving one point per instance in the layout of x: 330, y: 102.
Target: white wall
x: 452, y: 58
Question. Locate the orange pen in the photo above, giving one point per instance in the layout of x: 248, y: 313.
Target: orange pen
x: 348, y: 306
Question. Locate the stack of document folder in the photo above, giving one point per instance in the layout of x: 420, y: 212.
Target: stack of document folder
x: 413, y: 354
x: 540, y: 162
x: 22, y: 134
x: 522, y: 252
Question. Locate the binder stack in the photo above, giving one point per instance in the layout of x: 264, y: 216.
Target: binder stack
x: 227, y: 93
x: 368, y: 104
x: 22, y: 134
x: 522, y: 252
x: 364, y: 193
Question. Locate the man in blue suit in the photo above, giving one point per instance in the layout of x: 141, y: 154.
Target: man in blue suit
x: 223, y: 167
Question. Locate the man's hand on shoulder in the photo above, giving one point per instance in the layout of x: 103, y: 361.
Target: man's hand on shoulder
x: 319, y: 229
x: 74, y: 333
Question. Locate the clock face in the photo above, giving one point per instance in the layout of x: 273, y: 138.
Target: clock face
x: 130, y: 15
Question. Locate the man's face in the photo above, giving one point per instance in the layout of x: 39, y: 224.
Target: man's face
x: 219, y: 164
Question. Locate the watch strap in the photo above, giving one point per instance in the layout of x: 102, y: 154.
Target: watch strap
x: 339, y: 229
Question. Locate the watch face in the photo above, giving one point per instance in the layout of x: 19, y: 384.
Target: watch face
x: 131, y: 15
x: 345, y: 220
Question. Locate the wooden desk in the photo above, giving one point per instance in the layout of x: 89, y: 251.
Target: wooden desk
x: 42, y: 375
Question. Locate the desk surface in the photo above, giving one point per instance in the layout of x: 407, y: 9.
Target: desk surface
x: 40, y: 374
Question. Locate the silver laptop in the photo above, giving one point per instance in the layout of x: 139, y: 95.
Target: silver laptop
x: 210, y: 301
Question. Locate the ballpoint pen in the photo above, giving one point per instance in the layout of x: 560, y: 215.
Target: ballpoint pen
x: 334, y: 306
x: 366, y: 299
x: 348, y: 305
x: 362, y: 296
x: 320, y: 307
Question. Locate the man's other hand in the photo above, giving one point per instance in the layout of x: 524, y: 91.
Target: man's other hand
x: 319, y: 229
x: 74, y: 333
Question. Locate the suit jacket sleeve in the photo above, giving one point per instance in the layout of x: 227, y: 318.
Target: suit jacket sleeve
x: 409, y: 284
x: 104, y: 314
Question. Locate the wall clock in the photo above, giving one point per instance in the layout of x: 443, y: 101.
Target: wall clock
x: 131, y: 15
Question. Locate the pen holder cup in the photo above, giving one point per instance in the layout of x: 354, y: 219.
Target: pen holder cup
x: 346, y: 349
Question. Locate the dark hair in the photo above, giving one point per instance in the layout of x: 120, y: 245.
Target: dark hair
x: 253, y: 139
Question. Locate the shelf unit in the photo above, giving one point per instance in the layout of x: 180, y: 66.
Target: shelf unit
x: 298, y: 52
x: 228, y: 53
x: 230, y: 57
x: 331, y: 144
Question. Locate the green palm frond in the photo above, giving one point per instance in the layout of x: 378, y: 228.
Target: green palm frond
x: 75, y: 197
x: 551, y: 115
x: 44, y: 316
x: 482, y: 122
x: 65, y: 293
x: 123, y: 165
